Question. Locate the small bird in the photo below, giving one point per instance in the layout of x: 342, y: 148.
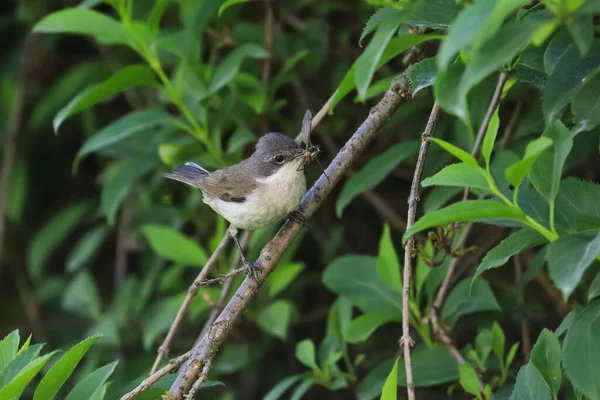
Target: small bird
x: 260, y: 190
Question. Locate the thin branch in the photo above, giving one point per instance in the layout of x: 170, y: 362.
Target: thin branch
x: 272, y: 252
x: 405, y: 341
x: 512, y: 123
x: 222, y: 278
x: 152, y: 379
x: 163, y: 350
x: 201, y: 379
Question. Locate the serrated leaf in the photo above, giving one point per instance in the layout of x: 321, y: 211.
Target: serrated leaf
x: 422, y: 75
x: 84, y: 22
x: 388, y: 265
x: 456, y: 151
x: 126, y: 126
x: 516, y: 172
x: 490, y: 137
x: 530, y: 385
x: 172, y: 245
x: 8, y: 348
x: 381, y: 15
x: 15, y: 387
x: 469, y: 210
x: 466, y: 298
x: 582, y: 32
x: 374, y: 172
x: 581, y: 351
x: 51, y: 235
x: 586, y: 106
x: 62, y: 369
x: 18, y: 363
x: 89, y: 385
x: 570, y: 74
x: 569, y: 257
x: 461, y: 174
x: 515, y: 243
x: 546, y: 357
x: 129, y: 77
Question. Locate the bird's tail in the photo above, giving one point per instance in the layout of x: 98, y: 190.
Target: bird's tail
x: 189, y: 173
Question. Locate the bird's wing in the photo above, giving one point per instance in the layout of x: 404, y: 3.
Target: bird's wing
x: 231, y: 184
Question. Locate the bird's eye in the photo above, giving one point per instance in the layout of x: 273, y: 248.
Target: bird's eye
x: 279, y: 159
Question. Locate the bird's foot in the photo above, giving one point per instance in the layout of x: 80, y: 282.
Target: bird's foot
x: 298, y: 217
x: 252, y: 269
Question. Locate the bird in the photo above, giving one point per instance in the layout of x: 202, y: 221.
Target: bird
x: 259, y: 190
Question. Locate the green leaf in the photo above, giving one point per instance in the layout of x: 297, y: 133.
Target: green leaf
x: 388, y: 265
x: 8, y: 348
x: 547, y: 170
x: 89, y: 385
x: 514, y: 244
x: 516, y: 172
x: 81, y: 296
x: 281, y: 277
x: 530, y: 385
x: 469, y: 380
x: 435, y: 14
x: 231, y: 64
x: 586, y: 106
x: 117, y: 180
x: 160, y: 6
x: 578, y: 201
x: 581, y: 351
x: 281, y: 387
x: 490, y: 137
x: 438, y: 197
x: 305, y: 353
x: 51, y: 235
x: 15, y: 387
x: 468, y: 210
x: 570, y: 74
x: 230, y: 3
x: 275, y: 318
x: 498, y: 341
x: 582, y: 32
x: 461, y: 175
x: 390, y: 387
x: 127, y: 126
x: 250, y: 91
x: 422, y: 75
x: 62, y: 369
x: 84, y: 22
x: 456, y: 152
x: 22, y: 359
x: 86, y: 247
x: 395, y: 47
x: 159, y: 317
x: 362, y: 327
x: 356, y: 278
x: 483, y: 345
x: 383, y: 14
x: 127, y: 78
x: 546, y: 357
x: 374, y: 173
x: 569, y: 257
x: 466, y: 299
x: 172, y: 245
x: 379, y: 87
x: 560, y: 44
x: 447, y: 92
x: 593, y: 292
x: 366, y: 64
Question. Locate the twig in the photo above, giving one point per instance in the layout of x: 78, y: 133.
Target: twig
x: 10, y: 139
x: 151, y: 380
x: 269, y: 33
x: 405, y: 341
x: 201, y: 379
x: 512, y: 123
x: 163, y: 350
x: 525, y: 334
x: 222, y: 278
x: 439, y: 330
x: 272, y: 252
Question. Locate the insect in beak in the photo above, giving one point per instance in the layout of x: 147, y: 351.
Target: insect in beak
x: 311, y: 151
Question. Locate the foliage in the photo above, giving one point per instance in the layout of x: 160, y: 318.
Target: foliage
x: 116, y: 92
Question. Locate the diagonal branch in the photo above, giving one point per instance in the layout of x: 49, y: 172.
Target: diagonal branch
x: 272, y: 252
x: 406, y: 341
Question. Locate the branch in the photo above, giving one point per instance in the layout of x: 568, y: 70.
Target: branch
x: 163, y: 350
x: 272, y: 252
x: 405, y: 341
x: 152, y: 379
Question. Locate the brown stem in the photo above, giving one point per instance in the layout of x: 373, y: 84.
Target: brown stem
x: 272, y: 252
x: 152, y: 379
x: 405, y: 341
x: 163, y: 350
x: 200, y: 380
x: 222, y: 278
x: 512, y: 123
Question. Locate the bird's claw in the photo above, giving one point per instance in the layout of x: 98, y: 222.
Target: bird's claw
x: 298, y: 217
x: 253, y: 269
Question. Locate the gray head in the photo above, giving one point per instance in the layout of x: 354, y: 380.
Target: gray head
x: 273, y: 151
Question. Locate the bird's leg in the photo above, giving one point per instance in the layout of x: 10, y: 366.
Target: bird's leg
x: 252, y: 268
x: 298, y: 217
